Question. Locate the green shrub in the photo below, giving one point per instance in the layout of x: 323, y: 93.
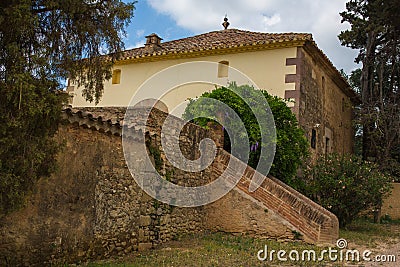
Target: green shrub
x: 291, y: 144
x: 292, y: 147
x: 345, y: 185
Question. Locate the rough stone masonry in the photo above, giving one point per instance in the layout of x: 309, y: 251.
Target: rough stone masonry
x: 91, y: 207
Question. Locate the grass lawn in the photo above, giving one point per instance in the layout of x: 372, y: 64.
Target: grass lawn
x: 222, y: 249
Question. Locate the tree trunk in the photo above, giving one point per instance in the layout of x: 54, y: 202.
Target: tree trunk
x: 366, y: 94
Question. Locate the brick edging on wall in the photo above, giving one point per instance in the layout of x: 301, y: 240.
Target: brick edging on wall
x: 316, y: 224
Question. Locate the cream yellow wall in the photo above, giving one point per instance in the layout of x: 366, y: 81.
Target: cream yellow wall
x: 266, y: 68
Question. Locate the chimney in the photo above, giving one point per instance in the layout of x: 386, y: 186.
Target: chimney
x: 153, y: 42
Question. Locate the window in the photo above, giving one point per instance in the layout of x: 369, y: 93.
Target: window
x: 116, y: 76
x: 328, y: 141
x: 223, y: 67
x: 327, y: 146
x: 313, y: 74
x: 343, y: 105
x: 313, y: 138
x: 323, y: 83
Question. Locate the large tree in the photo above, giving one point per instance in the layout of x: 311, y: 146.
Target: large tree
x: 375, y: 32
x: 42, y: 42
x: 291, y: 143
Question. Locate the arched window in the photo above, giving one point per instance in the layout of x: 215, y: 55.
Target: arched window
x: 116, y: 76
x: 223, y: 67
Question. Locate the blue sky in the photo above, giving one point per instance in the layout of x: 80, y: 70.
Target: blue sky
x: 147, y: 20
x: 175, y: 19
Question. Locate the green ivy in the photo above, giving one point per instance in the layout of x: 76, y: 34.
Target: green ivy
x: 156, y: 154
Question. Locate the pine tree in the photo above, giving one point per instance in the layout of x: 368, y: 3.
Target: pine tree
x: 375, y: 32
x: 42, y: 42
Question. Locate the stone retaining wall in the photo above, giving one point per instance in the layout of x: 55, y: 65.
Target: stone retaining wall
x: 391, y: 205
x: 91, y: 207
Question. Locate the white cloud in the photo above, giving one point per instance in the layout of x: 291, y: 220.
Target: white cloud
x: 135, y: 45
x: 270, y: 21
x: 319, y: 17
x: 140, y: 33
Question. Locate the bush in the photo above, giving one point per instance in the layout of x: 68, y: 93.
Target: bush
x: 345, y: 185
x: 291, y: 144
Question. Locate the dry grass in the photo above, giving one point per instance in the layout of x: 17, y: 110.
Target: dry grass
x: 363, y: 232
x: 222, y: 249
x: 211, y: 249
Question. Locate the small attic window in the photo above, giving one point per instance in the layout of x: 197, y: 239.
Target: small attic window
x: 223, y: 67
x: 116, y: 76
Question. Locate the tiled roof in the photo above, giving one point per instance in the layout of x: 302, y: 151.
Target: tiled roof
x: 215, y: 40
x: 232, y: 41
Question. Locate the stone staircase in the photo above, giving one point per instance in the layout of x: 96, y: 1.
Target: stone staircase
x: 313, y: 222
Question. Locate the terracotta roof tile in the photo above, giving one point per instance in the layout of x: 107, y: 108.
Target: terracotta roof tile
x: 114, y: 115
x: 109, y: 120
x: 217, y: 40
x: 231, y: 38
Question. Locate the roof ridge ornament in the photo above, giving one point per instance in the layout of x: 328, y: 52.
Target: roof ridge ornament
x: 226, y: 23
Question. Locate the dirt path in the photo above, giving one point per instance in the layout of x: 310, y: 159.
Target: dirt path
x: 386, y: 255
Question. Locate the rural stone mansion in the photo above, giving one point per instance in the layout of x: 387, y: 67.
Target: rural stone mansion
x: 91, y: 207
x: 288, y: 65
